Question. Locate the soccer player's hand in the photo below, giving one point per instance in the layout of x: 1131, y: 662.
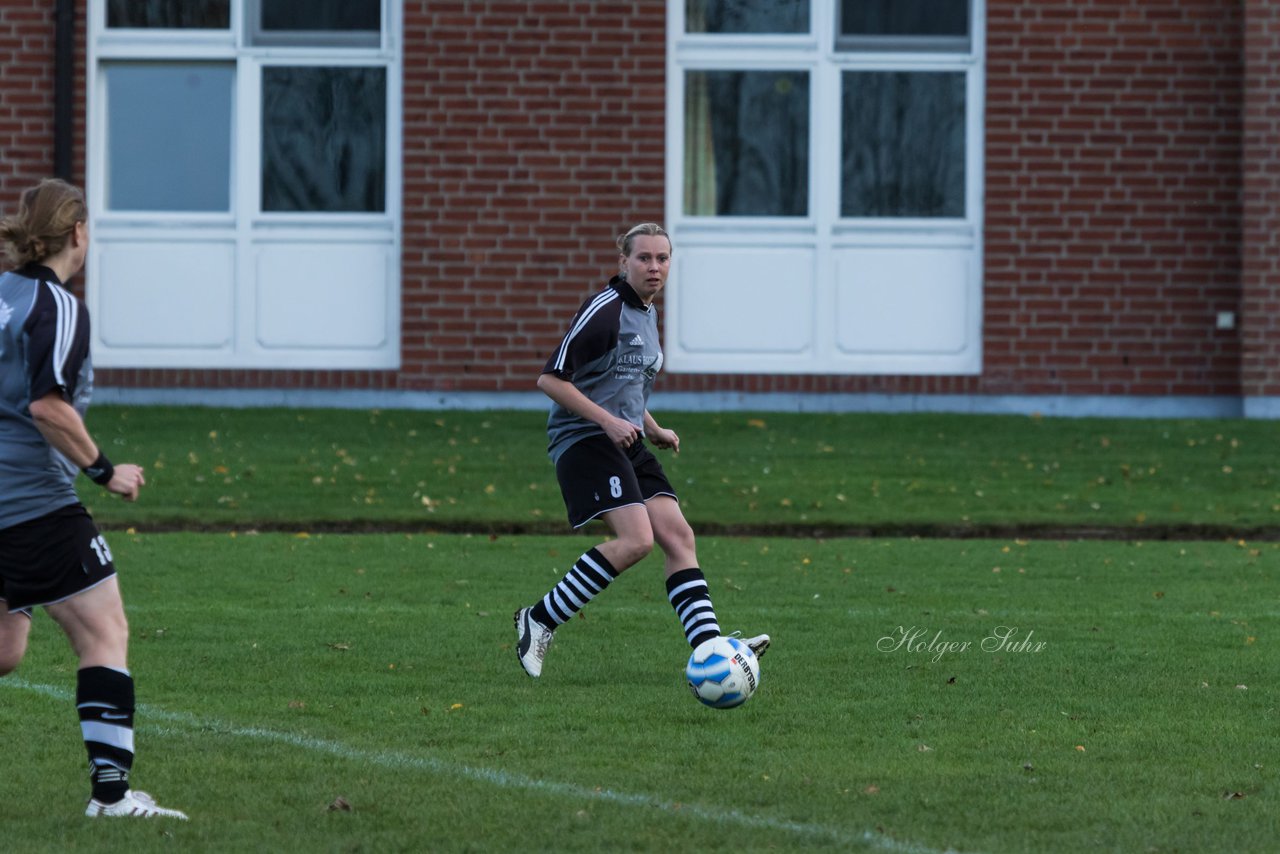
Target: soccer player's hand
x: 126, y: 481
x: 664, y: 438
x: 621, y: 432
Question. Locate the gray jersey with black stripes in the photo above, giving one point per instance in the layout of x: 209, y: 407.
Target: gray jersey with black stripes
x: 44, y: 347
x: 612, y: 354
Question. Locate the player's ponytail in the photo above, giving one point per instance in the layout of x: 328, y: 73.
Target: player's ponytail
x: 47, y: 214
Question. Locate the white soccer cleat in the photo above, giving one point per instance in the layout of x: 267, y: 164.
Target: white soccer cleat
x: 132, y: 805
x: 759, y: 644
x: 532, y: 640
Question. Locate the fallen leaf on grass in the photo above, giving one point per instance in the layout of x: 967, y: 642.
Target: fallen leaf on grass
x: 1233, y: 796
x: 340, y: 804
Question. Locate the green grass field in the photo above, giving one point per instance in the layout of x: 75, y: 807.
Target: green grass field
x: 779, y: 471
x: 358, y: 692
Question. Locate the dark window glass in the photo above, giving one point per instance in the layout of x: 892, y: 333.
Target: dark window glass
x: 324, y: 139
x: 170, y: 14
x: 746, y: 143
x: 904, y: 17
x: 746, y: 16
x: 903, y: 144
x: 169, y: 136
x: 321, y: 15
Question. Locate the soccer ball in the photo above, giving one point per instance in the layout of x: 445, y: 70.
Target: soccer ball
x: 723, y: 673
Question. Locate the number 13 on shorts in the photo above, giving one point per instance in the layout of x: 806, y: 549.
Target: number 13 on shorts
x: 99, y: 546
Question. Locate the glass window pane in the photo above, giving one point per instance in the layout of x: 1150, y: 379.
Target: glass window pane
x: 904, y: 17
x: 169, y: 136
x: 903, y: 144
x: 324, y: 132
x: 170, y: 14
x: 321, y: 15
x: 746, y: 16
x: 746, y: 143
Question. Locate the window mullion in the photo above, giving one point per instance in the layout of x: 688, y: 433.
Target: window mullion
x: 825, y: 192
x: 247, y: 165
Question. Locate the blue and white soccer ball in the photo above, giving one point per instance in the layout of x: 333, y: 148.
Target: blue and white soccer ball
x: 723, y: 673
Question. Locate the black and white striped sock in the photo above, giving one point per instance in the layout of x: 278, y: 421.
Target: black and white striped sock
x: 691, y: 599
x: 589, y: 577
x: 104, y: 701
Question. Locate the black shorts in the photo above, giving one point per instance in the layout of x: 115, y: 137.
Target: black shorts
x: 52, y: 558
x: 597, y: 476
x: 4, y: 603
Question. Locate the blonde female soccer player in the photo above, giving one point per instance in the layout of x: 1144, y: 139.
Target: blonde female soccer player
x: 599, y: 380
x: 51, y: 553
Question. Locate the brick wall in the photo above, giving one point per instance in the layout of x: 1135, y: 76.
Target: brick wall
x: 1113, y: 202
x: 26, y: 99
x: 1261, y: 278
x: 28, y: 42
x: 533, y: 131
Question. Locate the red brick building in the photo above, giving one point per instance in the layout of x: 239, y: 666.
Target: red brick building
x: 1015, y: 205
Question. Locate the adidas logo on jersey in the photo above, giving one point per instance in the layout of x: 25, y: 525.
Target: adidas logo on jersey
x: 6, y: 312
x: 637, y: 341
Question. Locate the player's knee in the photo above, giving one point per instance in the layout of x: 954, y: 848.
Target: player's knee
x: 679, y: 540
x: 636, y: 548
x: 11, y: 657
x: 13, y: 644
x: 685, y: 540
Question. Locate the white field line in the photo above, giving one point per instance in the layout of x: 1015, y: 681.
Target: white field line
x: 503, y: 779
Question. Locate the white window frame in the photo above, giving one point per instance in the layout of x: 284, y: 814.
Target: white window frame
x: 823, y: 232
x: 245, y: 226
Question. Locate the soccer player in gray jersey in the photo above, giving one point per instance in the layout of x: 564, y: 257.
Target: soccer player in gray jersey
x: 599, y: 380
x: 51, y: 553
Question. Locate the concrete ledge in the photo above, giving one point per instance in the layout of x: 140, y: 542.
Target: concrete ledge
x: 248, y: 398
x: 1058, y: 406
x: 1066, y: 406
x: 1262, y: 408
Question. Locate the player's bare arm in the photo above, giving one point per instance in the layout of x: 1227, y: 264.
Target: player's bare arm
x: 620, y: 431
x: 63, y: 428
